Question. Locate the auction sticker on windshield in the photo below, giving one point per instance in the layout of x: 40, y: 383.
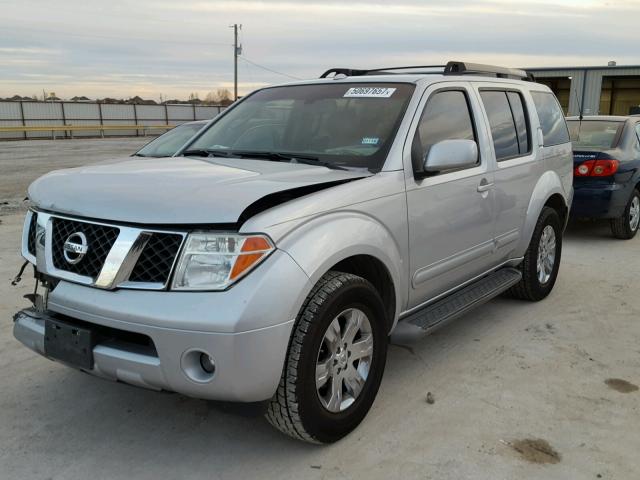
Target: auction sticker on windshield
x: 370, y: 92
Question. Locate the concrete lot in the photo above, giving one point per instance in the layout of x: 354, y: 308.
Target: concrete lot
x: 509, y: 371
x: 21, y: 162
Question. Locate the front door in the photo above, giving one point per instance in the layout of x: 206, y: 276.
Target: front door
x: 451, y: 213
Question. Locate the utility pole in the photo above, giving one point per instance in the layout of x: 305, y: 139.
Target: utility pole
x: 237, y: 50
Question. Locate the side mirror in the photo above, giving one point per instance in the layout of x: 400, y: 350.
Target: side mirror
x: 450, y: 154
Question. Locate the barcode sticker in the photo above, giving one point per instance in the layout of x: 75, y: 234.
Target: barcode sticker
x: 369, y: 92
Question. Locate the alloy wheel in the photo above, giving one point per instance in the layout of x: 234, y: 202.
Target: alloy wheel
x: 344, y: 360
x: 546, y: 254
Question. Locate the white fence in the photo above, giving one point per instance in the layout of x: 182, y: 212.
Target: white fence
x: 38, y: 114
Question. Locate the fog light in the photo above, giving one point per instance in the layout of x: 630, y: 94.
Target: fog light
x: 206, y: 362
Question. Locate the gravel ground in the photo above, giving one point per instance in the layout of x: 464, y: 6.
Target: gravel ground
x: 511, y: 391
x: 21, y: 162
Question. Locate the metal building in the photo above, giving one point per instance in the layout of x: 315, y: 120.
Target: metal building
x: 610, y: 90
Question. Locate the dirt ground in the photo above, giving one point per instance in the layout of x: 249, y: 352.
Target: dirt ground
x: 22, y: 162
x: 518, y: 391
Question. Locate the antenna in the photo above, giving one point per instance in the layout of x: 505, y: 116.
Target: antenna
x: 579, y: 102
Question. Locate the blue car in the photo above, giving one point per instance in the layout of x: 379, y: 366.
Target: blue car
x: 606, y: 156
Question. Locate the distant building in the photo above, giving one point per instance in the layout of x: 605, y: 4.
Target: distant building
x: 141, y: 101
x: 18, y: 98
x: 610, y: 90
x: 81, y: 99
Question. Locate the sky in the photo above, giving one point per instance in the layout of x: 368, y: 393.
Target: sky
x: 173, y: 48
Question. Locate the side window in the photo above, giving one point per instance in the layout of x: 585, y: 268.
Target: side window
x: 554, y: 126
x: 446, y: 116
x: 503, y: 127
x: 521, y: 120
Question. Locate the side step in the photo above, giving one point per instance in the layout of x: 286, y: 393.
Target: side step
x: 457, y: 304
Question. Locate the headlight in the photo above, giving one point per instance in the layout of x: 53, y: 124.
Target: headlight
x: 215, y: 261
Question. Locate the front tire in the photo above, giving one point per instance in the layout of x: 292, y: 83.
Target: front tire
x: 542, y: 259
x: 626, y: 226
x: 334, y: 363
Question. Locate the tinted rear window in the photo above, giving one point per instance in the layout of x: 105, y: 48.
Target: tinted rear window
x: 520, y: 117
x: 594, y: 133
x: 503, y: 128
x: 554, y: 127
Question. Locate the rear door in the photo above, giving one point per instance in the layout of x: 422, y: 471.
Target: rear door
x: 518, y: 160
x: 554, y: 136
x: 450, y: 213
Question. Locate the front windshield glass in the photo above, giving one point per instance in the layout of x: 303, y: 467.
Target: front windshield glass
x: 342, y: 125
x: 594, y: 133
x: 169, y: 143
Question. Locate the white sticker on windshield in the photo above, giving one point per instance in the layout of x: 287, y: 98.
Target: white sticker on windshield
x: 370, y: 92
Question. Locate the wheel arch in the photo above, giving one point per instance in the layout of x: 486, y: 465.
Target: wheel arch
x: 373, y: 270
x: 548, y: 192
x: 351, y: 242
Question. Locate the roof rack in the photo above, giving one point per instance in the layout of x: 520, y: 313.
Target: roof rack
x: 451, y: 68
x: 353, y: 72
x: 465, y: 68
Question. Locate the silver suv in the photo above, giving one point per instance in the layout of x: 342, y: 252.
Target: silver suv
x: 274, y: 258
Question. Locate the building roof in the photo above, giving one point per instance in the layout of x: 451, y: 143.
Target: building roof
x: 590, y: 67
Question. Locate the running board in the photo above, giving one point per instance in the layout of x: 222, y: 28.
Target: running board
x: 457, y: 304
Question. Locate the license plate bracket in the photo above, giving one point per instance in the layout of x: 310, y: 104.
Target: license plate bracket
x: 69, y: 343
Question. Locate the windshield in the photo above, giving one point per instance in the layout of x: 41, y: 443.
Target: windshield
x: 170, y: 142
x: 340, y: 125
x: 594, y: 133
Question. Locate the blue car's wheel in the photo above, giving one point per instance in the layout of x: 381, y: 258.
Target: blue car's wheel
x: 626, y: 226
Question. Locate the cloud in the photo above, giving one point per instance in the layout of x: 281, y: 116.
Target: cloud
x: 153, y: 47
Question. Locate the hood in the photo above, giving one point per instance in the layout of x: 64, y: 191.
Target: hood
x: 177, y: 190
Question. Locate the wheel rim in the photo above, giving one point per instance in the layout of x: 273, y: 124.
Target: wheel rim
x: 546, y: 254
x: 634, y: 213
x: 344, y: 360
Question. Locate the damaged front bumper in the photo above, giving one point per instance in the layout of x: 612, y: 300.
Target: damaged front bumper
x: 156, y: 339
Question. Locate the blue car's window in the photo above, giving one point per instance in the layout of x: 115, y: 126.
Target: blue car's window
x: 594, y: 133
x: 554, y: 127
x: 169, y: 143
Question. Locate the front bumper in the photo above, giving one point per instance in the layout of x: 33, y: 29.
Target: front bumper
x: 245, y: 330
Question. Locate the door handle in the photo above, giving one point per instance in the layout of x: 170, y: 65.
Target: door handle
x: 484, y: 186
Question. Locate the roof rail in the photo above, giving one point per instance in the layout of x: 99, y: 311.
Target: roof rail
x: 451, y: 68
x: 465, y: 68
x: 353, y: 72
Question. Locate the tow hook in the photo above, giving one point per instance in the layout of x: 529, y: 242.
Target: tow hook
x: 39, y: 301
x: 18, y: 278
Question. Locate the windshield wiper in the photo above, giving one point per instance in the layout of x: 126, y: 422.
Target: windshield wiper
x: 288, y: 157
x: 208, y: 152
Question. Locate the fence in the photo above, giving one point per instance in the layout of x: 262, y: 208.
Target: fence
x: 44, y: 114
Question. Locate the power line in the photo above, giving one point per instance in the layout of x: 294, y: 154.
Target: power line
x: 267, y: 68
x: 108, y: 37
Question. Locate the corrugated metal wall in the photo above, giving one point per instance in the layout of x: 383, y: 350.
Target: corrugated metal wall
x: 591, y: 78
x: 91, y: 113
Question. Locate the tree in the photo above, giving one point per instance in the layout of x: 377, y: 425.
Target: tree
x: 221, y: 96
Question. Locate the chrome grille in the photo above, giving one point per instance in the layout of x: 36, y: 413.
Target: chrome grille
x: 157, y: 258
x: 31, y: 235
x: 115, y: 256
x: 100, y: 239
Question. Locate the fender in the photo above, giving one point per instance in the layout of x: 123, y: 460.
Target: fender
x: 548, y: 184
x: 324, y: 240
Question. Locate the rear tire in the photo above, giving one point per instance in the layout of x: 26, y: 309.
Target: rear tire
x: 626, y: 226
x: 305, y: 406
x: 538, y: 275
